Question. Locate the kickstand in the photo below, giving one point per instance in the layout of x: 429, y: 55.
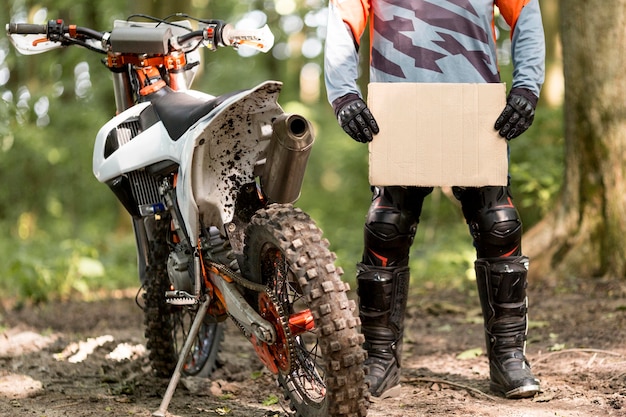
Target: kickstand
x: 193, y: 332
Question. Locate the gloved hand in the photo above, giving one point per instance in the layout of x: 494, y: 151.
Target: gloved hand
x: 355, y: 118
x: 518, y: 114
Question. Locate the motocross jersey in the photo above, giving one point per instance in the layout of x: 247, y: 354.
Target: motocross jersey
x: 431, y: 41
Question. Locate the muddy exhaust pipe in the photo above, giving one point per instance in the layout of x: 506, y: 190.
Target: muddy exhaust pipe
x: 287, y: 157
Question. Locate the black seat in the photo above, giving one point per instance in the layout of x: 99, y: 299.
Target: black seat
x: 179, y: 111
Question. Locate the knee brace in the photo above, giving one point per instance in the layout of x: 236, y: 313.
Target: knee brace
x: 390, y: 226
x: 494, y: 222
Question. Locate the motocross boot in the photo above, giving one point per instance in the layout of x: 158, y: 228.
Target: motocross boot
x: 382, y: 301
x: 502, y: 291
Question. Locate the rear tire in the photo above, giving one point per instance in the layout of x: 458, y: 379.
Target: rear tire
x: 321, y: 370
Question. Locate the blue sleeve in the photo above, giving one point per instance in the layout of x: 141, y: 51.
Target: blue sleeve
x: 341, y: 58
x: 528, y: 49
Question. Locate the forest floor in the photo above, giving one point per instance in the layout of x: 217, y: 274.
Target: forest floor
x: 88, y: 359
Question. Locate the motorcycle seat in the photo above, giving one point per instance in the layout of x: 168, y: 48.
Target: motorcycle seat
x: 179, y: 111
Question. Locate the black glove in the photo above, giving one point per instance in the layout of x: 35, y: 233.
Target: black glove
x: 518, y: 114
x: 355, y: 118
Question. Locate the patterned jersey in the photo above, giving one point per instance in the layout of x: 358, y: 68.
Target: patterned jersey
x: 431, y: 41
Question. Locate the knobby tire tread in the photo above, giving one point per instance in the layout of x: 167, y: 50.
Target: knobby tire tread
x: 313, y: 264
x: 160, y: 317
x: 157, y: 313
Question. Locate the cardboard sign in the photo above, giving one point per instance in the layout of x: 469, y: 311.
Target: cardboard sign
x: 437, y: 134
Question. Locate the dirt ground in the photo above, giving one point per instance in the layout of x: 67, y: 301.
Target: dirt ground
x: 88, y: 359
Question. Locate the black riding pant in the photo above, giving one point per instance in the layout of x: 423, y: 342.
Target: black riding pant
x: 394, y: 214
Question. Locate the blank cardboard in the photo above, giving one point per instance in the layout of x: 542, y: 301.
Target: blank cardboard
x: 437, y: 134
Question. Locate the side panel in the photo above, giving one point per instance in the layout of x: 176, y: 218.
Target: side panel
x: 230, y: 143
x: 148, y: 147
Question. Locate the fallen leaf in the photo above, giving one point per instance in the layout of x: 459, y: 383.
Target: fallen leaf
x: 222, y: 411
x: 470, y: 354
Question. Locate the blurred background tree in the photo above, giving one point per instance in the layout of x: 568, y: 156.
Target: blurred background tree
x: 585, y: 233
x: 65, y: 233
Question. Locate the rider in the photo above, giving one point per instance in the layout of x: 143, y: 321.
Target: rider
x: 439, y: 41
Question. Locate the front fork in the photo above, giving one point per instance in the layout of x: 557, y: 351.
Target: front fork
x: 122, y: 89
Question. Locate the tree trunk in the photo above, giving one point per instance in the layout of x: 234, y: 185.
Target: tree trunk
x: 585, y: 234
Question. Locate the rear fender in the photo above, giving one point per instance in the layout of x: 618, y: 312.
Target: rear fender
x: 231, y: 141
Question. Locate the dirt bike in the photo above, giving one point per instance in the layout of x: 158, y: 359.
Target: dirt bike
x: 210, y: 184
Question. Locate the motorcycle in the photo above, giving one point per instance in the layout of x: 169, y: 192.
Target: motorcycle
x: 210, y: 184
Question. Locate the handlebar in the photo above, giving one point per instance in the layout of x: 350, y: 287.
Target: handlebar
x: 55, y: 30
x: 55, y: 34
x: 215, y: 33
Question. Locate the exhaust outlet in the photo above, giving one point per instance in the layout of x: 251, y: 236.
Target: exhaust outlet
x: 287, y: 157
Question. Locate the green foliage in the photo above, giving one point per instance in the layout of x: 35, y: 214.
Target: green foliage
x: 271, y: 400
x: 537, y: 165
x: 43, y: 268
x: 443, y: 250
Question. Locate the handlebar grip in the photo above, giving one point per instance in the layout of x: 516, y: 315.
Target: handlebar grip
x: 26, y: 28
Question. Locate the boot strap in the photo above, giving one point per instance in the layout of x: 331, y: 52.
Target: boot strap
x: 501, y: 342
